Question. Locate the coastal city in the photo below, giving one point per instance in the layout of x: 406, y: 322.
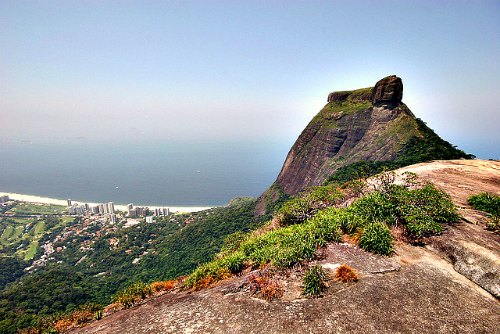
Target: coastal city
x: 108, y: 211
x: 43, y: 232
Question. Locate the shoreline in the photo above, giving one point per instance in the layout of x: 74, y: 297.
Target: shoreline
x: 55, y: 201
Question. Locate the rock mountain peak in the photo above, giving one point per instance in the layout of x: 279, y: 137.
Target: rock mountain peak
x: 387, y: 91
x: 368, y: 125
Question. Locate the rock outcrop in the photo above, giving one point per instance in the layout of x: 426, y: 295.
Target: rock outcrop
x: 369, y: 124
x: 389, y: 91
x: 417, y: 290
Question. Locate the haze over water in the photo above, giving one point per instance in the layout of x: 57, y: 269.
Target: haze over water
x: 245, y: 75
x: 154, y: 174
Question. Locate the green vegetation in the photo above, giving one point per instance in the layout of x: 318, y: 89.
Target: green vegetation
x: 7, y: 233
x: 490, y: 204
x: 281, y: 247
x: 31, y: 251
x: 211, y: 245
x: 197, y: 242
x: 419, y: 211
x: 273, y: 198
x: 97, y: 263
x: 306, y: 204
x: 12, y: 269
x: 486, y: 202
x: 132, y: 294
x: 25, y: 208
x: 315, y: 281
x: 20, y: 237
x: 376, y: 238
x: 425, y: 147
x: 336, y: 110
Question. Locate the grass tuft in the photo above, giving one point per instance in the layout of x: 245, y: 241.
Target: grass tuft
x: 315, y: 281
x: 346, y: 274
x: 265, y: 287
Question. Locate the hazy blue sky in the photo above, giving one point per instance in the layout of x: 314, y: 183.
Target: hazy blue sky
x: 121, y: 71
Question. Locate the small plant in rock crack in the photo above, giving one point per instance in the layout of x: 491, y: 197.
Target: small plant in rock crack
x: 315, y: 281
x: 346, y: 274
x: 265, y: 287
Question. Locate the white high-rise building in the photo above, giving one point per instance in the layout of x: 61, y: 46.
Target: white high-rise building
x: 112, y: 218
x: 149, y: 219
x: 69, y: 202
x: 111, y: 207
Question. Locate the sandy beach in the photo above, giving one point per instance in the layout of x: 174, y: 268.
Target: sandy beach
x: 55, y: 201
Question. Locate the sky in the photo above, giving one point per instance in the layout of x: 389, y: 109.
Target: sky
x: 240, y: 71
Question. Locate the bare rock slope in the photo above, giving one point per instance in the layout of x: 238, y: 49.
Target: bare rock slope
x: 417, y: 290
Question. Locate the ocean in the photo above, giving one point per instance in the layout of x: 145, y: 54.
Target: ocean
x: 159, y: 174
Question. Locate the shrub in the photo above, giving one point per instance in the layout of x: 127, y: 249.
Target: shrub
x: 271, y: 291
x: 133, y: 294
x: 323, y: 196
x: 373, y: 207
x: 286, y: 246
x: 420, y: 211
x: 419, y: 224
x: 423, y: 210
x: 410, y: 179
x: 384, y: 182
x: 315, y: 281
x: 299, y: 209
x: 326, y: 225
x: 281, y: 247
x: 346, y: 274
x: 234, y: 262
x: 435, y: 203
x: 376, y: 238
x: 491, y: 204
x: 351, y: 222
x: 232, y: 243
x: 208, y: 274
x: 486, y: 202
x: 355, y: 187
x: 295, y: 211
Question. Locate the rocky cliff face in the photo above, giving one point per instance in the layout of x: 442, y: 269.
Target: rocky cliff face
x: 370, y: 124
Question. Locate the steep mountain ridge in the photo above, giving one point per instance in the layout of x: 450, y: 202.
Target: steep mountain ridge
x: 369, y: 124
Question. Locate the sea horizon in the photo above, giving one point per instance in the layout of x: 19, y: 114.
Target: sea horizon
x: 153, y: 174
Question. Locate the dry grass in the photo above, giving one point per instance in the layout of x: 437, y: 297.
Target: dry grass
x: 265, y: 287
x: 74, y: 320
x: 163, y: 285
x: 346, y: 274
x: 205, y: 282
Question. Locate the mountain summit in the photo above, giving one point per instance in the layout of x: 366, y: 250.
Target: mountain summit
x: 368, y: 128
